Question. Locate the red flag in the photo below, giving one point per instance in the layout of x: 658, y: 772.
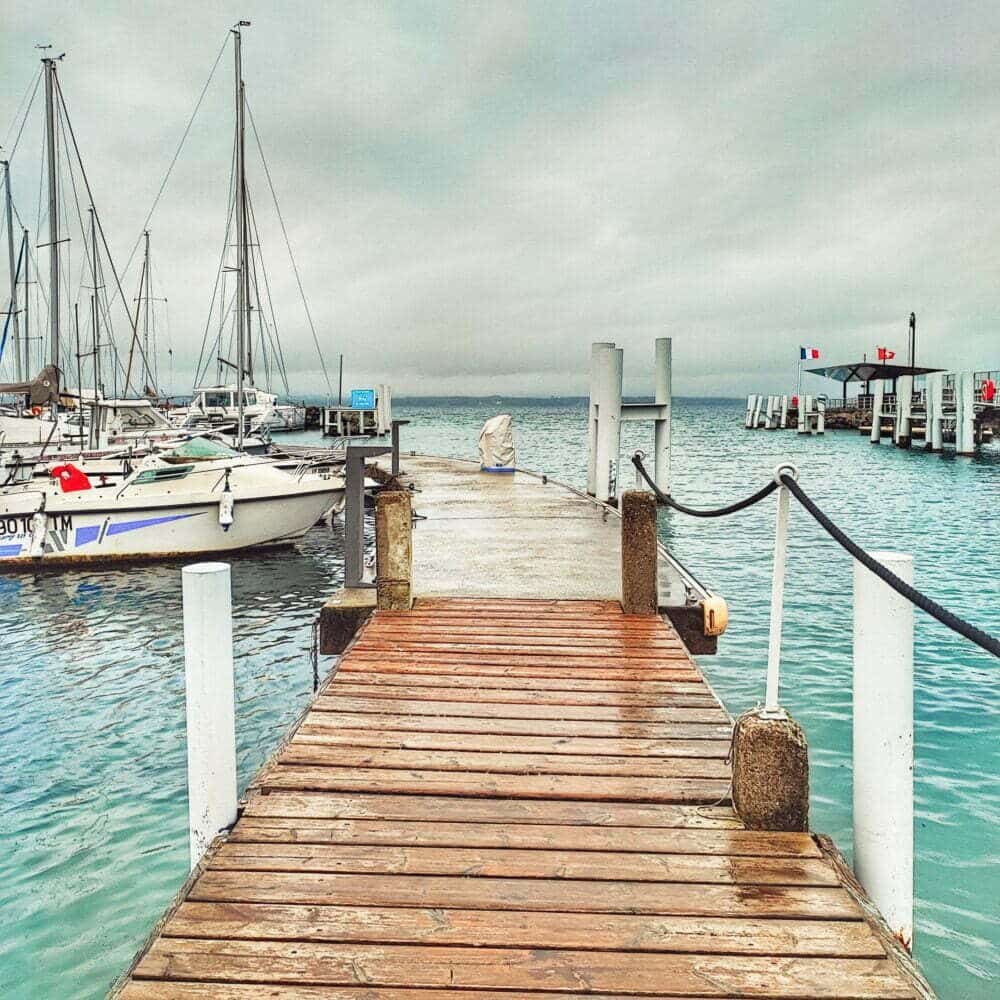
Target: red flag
x: 884, y: 354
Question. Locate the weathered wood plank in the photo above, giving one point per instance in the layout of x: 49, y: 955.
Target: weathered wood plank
x: 511, y: 968
x: 556, y: 895
x: 435, y: 833
x: 477, y: 709
x: 604, y: 931
x: 302, y: 751
x: 515, y: 637
x: 309, y: 732
x: 618, y: 651
x: 529, y: 786
x: 512, y: 863
x: 165, y: 989
x: 422, y: 807
x: 500, y: 725
x: 669, y: 670
x: 481, y: 682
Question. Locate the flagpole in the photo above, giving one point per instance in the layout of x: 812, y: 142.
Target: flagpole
x: 798, y: 387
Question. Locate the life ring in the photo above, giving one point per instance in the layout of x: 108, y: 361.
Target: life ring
x: 36, y: 411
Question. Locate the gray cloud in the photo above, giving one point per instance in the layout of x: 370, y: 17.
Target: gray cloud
x: 477, y: 191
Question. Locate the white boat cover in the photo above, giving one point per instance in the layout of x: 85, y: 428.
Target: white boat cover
x: 496, y: 443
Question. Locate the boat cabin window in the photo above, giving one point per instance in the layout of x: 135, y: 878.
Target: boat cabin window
x: 249, y: 399
x: 220, y: 399
x: 135, y: 418
x: 161, y: 474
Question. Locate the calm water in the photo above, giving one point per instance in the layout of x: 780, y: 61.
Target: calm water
x: 93, y: 840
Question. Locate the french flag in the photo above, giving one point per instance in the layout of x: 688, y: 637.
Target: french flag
x: 808, y: 353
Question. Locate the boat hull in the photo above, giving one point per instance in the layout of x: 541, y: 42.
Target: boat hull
x: 77, y: 533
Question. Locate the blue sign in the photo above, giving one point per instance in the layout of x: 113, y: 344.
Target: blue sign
x: 362, y: 399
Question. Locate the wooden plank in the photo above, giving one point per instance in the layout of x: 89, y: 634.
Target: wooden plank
x: 339, y: 736
x: 377, y: 678
x: 516, y: 727
x: 504, y: 811
x: 466, y: 666
x: 604, y: 931
x: 510, y: 968
x: 528, y: 864
x: 434, y: 833
x: 164, y: 989
x: 417, y: 625
x: 344, y: 688
x: 538, y: 895
x: 596, y: 788
x: 618, y: 651
x: 475, y: 709
x: 302, y: 751
x: 515, y: 637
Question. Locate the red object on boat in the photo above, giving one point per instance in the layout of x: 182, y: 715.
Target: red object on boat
x: 795, y: 400
x: 71, y: 479
x: 989, y: 390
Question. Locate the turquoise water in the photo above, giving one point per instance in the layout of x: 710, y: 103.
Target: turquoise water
x: 93, y: 814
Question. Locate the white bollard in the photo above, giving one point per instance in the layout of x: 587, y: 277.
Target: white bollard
x: 784, y: 412
x: 609, y: 411
x: 904, y: 409
x: 878, y: 401
x: 751, y: 403
x: 663, y: 397
x: 935, y: 410
x: 772, y: 706
x: 820, y: 416
x: 209, y: 698
x: 596, y: 351
x: 965, y: 414
x: 883, y: 742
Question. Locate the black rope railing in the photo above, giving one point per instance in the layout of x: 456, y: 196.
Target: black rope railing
x: 929, y: 606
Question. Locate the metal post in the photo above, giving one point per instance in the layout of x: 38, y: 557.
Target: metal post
x: 608, y: 420
x: 878, y: 401
x: 209, y: 701
x: 935, y: 396
x: 663, y: 397
x: 772, y: 707
x: 354, y: 512
x: 596, y: 352
x: 965, y: 414
x: 396, y: 424
x: 883, y: 742
x: 50, y: 144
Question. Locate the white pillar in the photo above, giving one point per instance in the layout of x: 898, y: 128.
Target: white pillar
x: 820, y: 416
x: 596, y: 351
x: 805, y: 414
x: 904, y: 407
x: 965, y: 414
x: 935, y: 397
x: 608, y: 420
x: 209, y: 698
x: 883, y: 742
x: 784, y: 412
x: 772, y: 706
x: 878, y: 401
x: 751, y: 403
x: 663, y: 397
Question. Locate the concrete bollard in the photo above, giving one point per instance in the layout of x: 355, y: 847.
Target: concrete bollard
x: 393, y: 550
x: 965, y: 414
x: 209, y: 703
x: 751, y: 403
x: 878, y: 402
x: 770, y: 773
x: 904, y: 409
x: 596, y: 353
x: 663, y: 398
x: 640, y: 593
x: 784, y: 412
x: 883, y: 742
x: 935, y: 410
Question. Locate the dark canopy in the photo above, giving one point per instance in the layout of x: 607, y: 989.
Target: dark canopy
x: 868, y: 371
x: 43, y: 388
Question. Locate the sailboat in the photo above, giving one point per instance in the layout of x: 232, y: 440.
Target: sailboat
x: 195, y: 499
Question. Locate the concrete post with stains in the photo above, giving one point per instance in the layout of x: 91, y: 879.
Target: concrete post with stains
x: 393, y: 550
x: 640, y: 594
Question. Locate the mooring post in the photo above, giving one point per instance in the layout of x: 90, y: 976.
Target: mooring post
x: 640, y: 592
x: 393, y: 550
x: 609, y: 421
x: 597, y: 351
x: 663, y: 398
x: 396, y: 424
x: 935, y: 409
x: 820, y: 416
x: 965, y: 414
x: 750, y: 405
x: 904, y: 407
x: 878, y: 401
x: 784, y: 412
x: 883, y: 742
x: 209, y: 703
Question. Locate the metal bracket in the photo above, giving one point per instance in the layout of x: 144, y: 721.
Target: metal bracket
x: 354, y: 512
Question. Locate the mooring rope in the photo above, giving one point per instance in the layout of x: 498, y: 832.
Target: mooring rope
x: 926, y: 604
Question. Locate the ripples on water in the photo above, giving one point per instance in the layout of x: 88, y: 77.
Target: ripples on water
x: 93, y: 816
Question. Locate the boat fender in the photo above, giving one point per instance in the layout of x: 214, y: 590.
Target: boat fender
x: 36, y: 411
x: 36, y: 548
x: 71, y: 479
x: 716, y: 613
x: 227, y: 505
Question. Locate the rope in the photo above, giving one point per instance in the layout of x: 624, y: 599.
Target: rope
x: 947, y: 618
x: 922, y: 601
x: 733, y: 508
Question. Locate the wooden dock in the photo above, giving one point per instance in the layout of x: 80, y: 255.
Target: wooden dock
x: 513, y: 798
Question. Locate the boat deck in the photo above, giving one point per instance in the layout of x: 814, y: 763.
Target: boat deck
x: 512, y: 798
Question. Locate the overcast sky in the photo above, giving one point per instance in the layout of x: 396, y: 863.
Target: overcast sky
x: 475, y: 192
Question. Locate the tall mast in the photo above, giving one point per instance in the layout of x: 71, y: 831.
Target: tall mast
x: 50, y: 145
x: 242, y: 290
x: 26, y: 339
x: 145, y: 292
x: 94, y: 309
x: 19, y: 367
